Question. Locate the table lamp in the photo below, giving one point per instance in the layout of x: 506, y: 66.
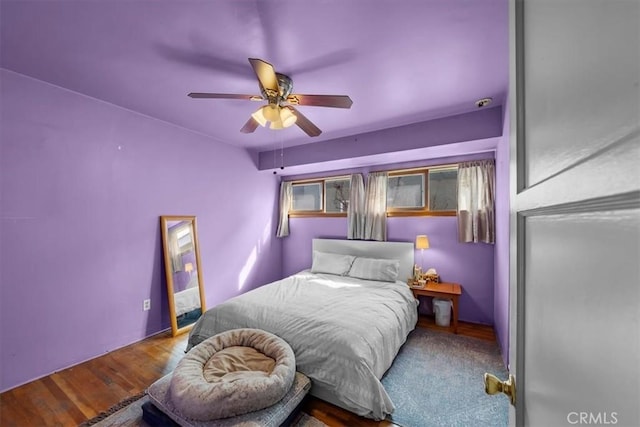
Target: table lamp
x: 422, y: 243
x: 188, y: 267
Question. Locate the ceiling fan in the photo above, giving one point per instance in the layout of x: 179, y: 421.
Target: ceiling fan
x: 280, y: 111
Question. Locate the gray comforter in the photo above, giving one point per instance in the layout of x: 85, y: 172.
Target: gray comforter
x: 345, y: 332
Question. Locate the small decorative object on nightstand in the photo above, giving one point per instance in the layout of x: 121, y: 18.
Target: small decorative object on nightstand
x: 431, y: 276
x: 417, y: 271
x: 415, y: 283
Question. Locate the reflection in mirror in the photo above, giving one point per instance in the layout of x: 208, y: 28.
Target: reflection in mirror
x: 183, y: 270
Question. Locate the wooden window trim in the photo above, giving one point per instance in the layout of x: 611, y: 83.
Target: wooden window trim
x: 391, y: 214
x: 318, y: 214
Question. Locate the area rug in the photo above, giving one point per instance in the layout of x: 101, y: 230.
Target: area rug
x: 437, y: 379
x: 128, y: 413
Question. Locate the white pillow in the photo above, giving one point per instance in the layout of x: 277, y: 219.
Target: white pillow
x: 325, y: 262
x: 383, y: 270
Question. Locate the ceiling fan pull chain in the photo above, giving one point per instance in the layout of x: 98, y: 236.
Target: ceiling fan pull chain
x: 281, y: 154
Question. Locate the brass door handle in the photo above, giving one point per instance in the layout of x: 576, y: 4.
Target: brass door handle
x: 493, y: 385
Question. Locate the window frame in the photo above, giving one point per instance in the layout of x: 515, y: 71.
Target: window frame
x: 338, y: 178
x: 308, y: 212
x: 425, y: 209
x: 449, y: 212
x: 408, y: 210
x: 322, y: 212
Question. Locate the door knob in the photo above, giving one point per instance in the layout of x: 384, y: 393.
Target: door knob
x: 493, y: 385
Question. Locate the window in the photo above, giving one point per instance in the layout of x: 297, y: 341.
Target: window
x: 184, y: 237
x: 307, y: 197
x: 443, y: 189
x: 321, y: 197
x: 405, y: 191
x: 410, y: 192
x: 337, y: 194
x: 428, y: 191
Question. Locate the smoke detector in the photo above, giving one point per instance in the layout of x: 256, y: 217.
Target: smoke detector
x: 483, y: 102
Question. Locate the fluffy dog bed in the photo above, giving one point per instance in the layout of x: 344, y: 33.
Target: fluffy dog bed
x: 233, y: 373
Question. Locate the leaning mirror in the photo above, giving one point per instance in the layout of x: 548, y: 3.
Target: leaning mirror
x: 183, y: 269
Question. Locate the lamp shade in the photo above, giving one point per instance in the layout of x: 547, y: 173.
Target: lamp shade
x: 280, y: 117
x: 422, y: 242
x: 276, y: 125
x: 287, y: 117
x: 259, y: 117
x: 271, y: 112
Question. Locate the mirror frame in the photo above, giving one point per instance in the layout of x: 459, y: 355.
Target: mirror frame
x: 164, y: 228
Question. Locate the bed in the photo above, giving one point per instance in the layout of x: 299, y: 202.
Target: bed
x: 189, y: 299
x: 344, y: 329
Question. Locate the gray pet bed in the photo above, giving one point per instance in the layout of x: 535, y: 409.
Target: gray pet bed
x: 242, y: 373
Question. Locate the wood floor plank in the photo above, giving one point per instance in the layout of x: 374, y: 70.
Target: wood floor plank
x: 64, y: 381
x: 114, y: 374
x: 66, y: 405
x: 76, y: 394
x: 15, y: 413
x: 23, y: 398
x: 57, y: 413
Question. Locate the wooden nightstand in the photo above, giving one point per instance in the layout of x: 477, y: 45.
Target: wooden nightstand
x: 450, y: 291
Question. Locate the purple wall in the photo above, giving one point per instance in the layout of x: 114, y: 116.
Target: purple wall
x: 501, y: 301
x: 471, y: 265
x: 83, y: 184
x: 473, y: 126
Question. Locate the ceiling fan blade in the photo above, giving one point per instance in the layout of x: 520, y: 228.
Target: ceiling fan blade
x: 335, y: 101
x: 250, y: 126
x: 266, y: 76
x: 305, y: 124
x: 224, y: 96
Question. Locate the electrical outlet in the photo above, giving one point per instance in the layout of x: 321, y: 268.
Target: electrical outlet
x: 146, y: 305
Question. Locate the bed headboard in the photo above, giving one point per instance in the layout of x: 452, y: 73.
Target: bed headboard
x: 402, y: 251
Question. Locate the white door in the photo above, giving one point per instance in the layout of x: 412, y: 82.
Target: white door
x: 575, y: 211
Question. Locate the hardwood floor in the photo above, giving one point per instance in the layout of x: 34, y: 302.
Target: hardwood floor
x: 74, y: 395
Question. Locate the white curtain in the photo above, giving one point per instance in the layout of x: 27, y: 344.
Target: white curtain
x: 476, y: 201
x: 355, y: 211
x: 286, y: 195
x: 375, y: 207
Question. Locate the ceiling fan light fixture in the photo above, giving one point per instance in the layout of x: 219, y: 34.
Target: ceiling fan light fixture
x: 259, y: 117
x: 277, y: 125
x: 271, y: 112
x: 287, y: 117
